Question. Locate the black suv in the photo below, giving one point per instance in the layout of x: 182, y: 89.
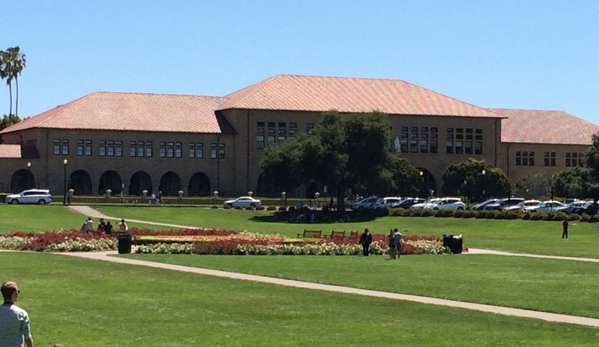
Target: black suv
x: 503, y: 203
x: 588, y: 208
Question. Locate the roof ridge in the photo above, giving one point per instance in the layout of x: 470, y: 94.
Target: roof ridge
x: 152, y: 93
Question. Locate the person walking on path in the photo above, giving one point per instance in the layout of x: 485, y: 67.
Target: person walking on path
x: 123, y: 228
x: 365, y: 241
x: 14, y: 321
x: 565, y: 232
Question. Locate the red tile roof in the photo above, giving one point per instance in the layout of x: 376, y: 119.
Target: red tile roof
x: 318, y: 94
x: 548, y: 127
x: 10, y: 151
x: 133, y: 112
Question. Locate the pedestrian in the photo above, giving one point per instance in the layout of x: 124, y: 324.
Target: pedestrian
x: 123, y: 228
x: 565, y: 232
x: 392, y: 245
x: 88, y: 226
x: 397, y: 236
x: 153, y: 199
x: 108, y: 228
x: 14, y: 321
x: 101, y: 226
x: 365, y: 241
x: 159, y: 197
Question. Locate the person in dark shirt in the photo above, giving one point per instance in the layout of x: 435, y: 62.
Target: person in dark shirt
x: 108, y: 228
x: 365, y: 241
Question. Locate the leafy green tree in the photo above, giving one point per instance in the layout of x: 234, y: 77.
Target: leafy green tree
x: 573, y: 182
x: 343, y: 152
x: 281, y: 164
x: 9, y: 120
x: 533, y: 186
x: 475, y: 179
x: 592, y: 158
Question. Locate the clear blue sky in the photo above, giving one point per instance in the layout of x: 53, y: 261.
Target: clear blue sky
x: 513, y: 54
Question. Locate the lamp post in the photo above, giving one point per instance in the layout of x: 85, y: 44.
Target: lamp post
x: 552, y: 192
x: 484, y: 172
x: 316, y: 195
x: 421, y: 174
x: 29, y: 175
x: 284, y: 195
x: 64, y: 200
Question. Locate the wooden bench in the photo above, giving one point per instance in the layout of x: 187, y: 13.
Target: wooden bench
x: 336, y: 233
x: 310, y: 234
x: 354, y: 234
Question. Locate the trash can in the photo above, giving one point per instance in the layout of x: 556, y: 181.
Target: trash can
x: 456, y: 245
x: 447, y: 239
x: 124, y: 243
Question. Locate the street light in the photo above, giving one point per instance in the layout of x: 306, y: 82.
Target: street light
x: 421, y: 174
x: 284, y: 195
x: 64, y: 200
x: 484, y: 172
x: 29, y: 175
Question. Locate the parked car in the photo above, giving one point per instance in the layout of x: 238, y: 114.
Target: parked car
x: 520, y: 206
x: 243, y: 201
x: 426, y: 204
x: 386, y: 202
x: 30, y: 196
x: 364, y: 204
x: 575, y: 205
x: 408, y: 202
x: 548, y: 206
x: 454, y: 204
x: 481, y: 205
x: 589, y: 208
x: 503, y: 203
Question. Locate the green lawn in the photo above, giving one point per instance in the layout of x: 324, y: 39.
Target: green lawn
x: 81, y: 302
x: 538, y: 284
x: 522, y: 236
x: 47, y: 218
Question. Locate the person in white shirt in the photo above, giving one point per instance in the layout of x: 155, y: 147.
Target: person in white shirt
x: 14, y: 321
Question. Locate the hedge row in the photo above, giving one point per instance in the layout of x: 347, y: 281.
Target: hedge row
x: 513, y: 214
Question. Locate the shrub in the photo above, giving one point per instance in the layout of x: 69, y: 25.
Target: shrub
x: 227, y: 207
x: 573, y: 217
x: 444, y: 213
x: 511, y: 214
x: 537, y: 216
x: 594, y: 218
x: 380, y: 212
x: 459, y: 214
x: 585, y: 217
x: 214, y: 207
x: 526, y: 216
x: 486, y: 214
x: 427, y: 213
x: 238, y: 208
x: 271, y: 208
x: 469, y: 214
x: 281, y: 208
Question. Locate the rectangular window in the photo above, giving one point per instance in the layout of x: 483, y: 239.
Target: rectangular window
x: 260, y: 124
x: 525, y: 158
x: 292, y: 125
x: 149, y: 152
x: 459, y: 130
x: 132, y: 148
x: 260, y: 141
x: 178, y: 152
x: 271, y: 124
x: 478, y: 147
x: 413, y: 146
x: 468, y: 147
x: 192, y: 150
x: 434, y: 146
x: 282, y: 125
x: 162, y: 152
x: 65, y: 147
x: 140, y: 151
x: 414, y: 129
x: 404, y: 129
x: 56, y: 146
x: 111, y: 151
x: 309, y: 127
x: 80, y: 147
x: 292, y: 132
x: 549, y: 159
x: 423, y: 146
x: 281, y: 138
x: 102, y: 151
x: 119, y: 148
x: 449, y: 147
x: 170, y: 152
x: 88, y: 150
x: 270, y: 140
x: 459, y: 147
x: 424, y: 129
x: 404, y: 146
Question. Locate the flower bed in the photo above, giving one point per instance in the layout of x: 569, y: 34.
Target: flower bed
x: 213, y: 241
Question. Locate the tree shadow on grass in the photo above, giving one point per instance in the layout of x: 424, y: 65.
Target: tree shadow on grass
x: 304, y: 217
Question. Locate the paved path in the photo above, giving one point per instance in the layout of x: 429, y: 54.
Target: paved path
x: 550, y: 317
x: 90, y: 212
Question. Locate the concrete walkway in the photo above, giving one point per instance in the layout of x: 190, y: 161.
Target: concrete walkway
x: 546, y: 316
x: 90, y: 212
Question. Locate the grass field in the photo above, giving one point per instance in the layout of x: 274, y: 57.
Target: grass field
x: 538, y: 237
x: 537, y: 284
x: 46, y: 218
x: 113, y: 304
x: 80, y: 302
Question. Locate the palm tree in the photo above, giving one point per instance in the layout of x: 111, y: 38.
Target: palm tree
x: 3, y: 71
x: 14, y: 63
